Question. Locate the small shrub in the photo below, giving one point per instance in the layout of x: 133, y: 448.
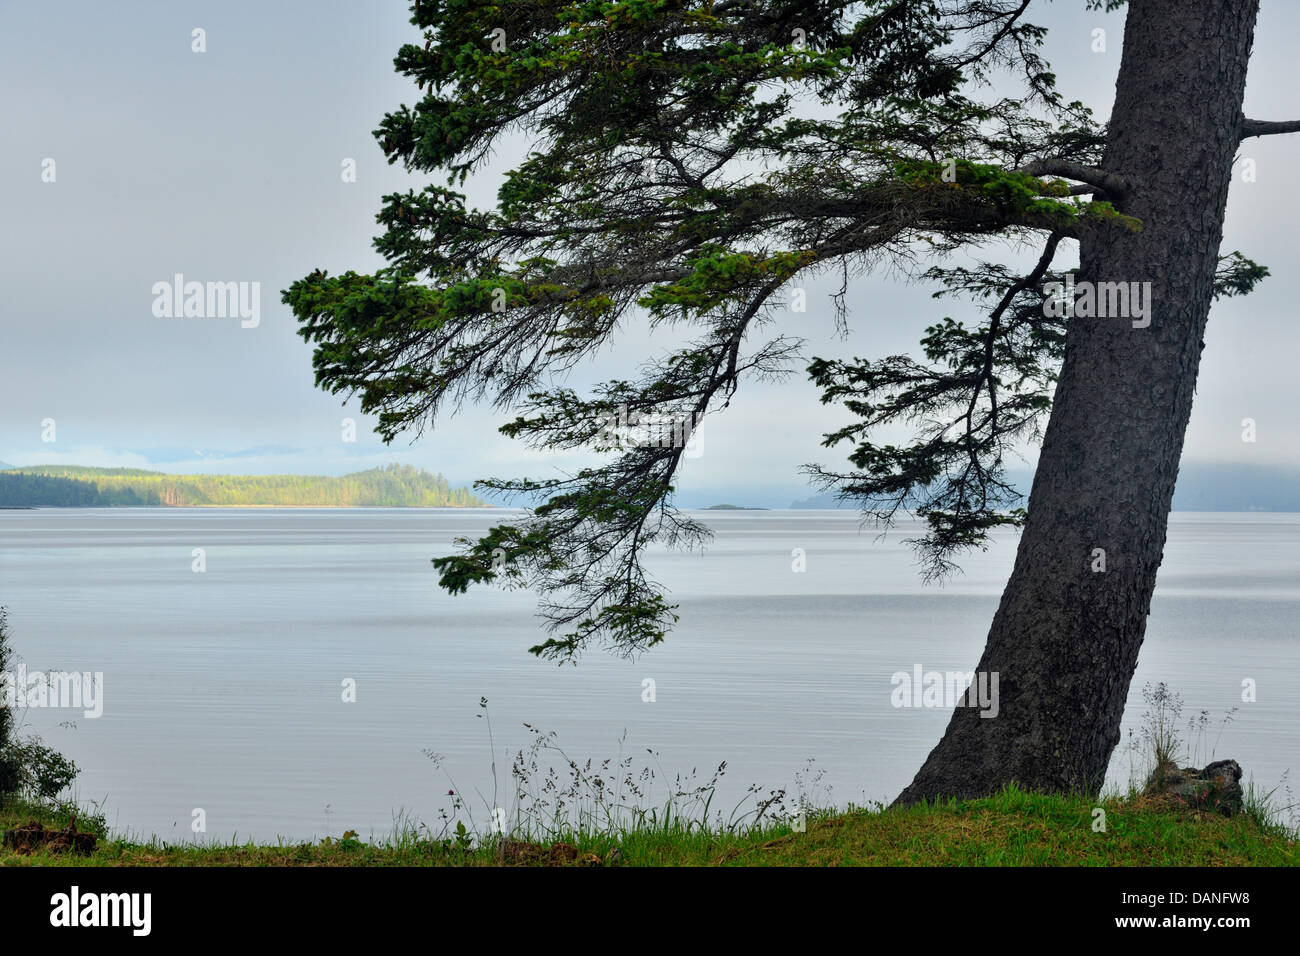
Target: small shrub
x: 29, y: 769
x: 42, y: 773
x: 8, y: 760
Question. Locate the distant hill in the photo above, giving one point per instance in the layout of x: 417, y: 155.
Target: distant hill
x: 1215, y: 487
x: 74, y: 486
x: 1202, y: 486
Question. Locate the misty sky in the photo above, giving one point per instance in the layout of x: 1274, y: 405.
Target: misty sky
x: 226, y: 166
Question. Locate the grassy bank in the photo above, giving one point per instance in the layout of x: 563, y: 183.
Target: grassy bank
x: 1011, y: 829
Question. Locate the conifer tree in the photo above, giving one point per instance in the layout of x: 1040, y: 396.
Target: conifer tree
x: 688, y: 162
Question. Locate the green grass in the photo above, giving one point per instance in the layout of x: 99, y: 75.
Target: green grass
x: 1014, y: 828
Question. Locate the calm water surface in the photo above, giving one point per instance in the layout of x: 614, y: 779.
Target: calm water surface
x: 222, y: 690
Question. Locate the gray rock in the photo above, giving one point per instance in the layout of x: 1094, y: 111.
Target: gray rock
x: 1217, y: 787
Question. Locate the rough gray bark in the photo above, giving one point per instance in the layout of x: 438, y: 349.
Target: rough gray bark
x: 1065, y: 639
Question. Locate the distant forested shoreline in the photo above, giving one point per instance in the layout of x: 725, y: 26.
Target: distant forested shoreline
x: 67, y: 486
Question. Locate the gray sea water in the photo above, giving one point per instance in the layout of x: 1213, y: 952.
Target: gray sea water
x: 223, y: 690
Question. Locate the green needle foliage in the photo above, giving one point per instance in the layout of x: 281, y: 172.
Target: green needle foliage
x: 686, y: 163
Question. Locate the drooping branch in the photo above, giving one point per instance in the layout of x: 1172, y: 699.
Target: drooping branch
x: 981, y: 393
x: 582, y: 547
x: 1250, y: 127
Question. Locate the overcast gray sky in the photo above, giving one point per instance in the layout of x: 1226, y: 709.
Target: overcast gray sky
x: 225, y: 166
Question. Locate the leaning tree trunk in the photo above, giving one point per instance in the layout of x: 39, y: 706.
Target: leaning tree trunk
x: 1065, y: 638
